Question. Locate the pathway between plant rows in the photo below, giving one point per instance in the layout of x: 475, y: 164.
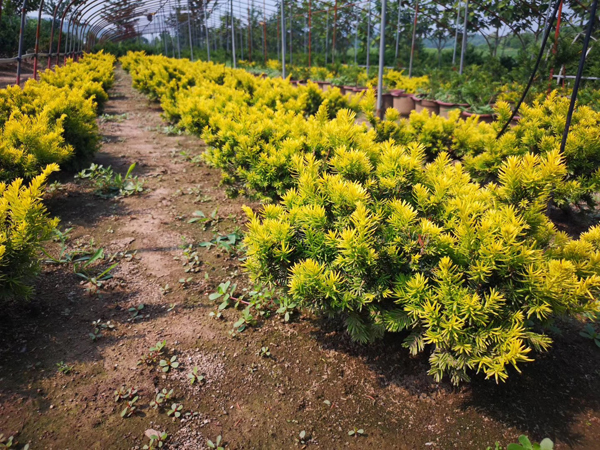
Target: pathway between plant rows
x: 57, y: 384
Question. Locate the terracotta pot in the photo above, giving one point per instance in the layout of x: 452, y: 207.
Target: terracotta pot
x: 325, y: 86
x: 404, y: 103
x: 359, y: 89
x: 349, y: 90
x: 487, y: 118
x: 445, y: 108
x: 387, y: 101
x: 417, y: 100
x: 429, y: 105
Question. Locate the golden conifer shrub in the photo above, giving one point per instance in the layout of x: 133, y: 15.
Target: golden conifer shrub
x: 393, y: 243
x: 539, y: 131
x: 24, y: 227
x: 252, y: 126
x: 53, y: 120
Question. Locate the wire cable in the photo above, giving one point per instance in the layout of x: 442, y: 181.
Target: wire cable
x: 586, y: 44
x: 535, y: 69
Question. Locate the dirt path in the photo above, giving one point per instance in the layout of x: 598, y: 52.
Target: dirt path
x: 315, y: 380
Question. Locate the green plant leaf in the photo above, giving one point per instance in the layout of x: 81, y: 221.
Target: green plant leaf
x: 130, y: 170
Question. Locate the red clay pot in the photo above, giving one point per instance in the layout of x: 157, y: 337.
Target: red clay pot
x: 445, y: 108
x: 487, y: 118
x: 429, y: 105
x: 404, y: 103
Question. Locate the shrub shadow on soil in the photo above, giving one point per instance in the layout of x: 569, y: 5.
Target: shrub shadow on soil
x: 55, y: 328
x: 543, y: 401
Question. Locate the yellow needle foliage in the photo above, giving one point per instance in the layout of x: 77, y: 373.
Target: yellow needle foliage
x: 468, y: 271
x: 43, y: 125
x: 53, y: 120
x: 24, y: 227
x: 429, y: 227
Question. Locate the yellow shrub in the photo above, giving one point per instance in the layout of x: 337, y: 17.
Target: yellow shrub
x: 24, y: 227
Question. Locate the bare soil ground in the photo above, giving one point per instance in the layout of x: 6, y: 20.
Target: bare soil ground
x: 315, y: 380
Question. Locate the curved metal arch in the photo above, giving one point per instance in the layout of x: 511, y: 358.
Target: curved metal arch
x: 37, y: 39
x: 62, y: 21
x: 100, y: 24
x: 86, y: 24
x: 97, y: 25
x: 78, y: 14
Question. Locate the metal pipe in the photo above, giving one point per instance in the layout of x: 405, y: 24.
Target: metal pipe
x: 356, y: 42
x: 398, y: 30
x: 69, y: 36
x: 309, y: 33
x: 327, y: 35
x: 165, y: 33
x: 178, y: 32
x: 335, y: 11
x: 584, y: 52
x: 233, y: 36
x: 52, y: 33
x: 456, y: 32
x: 37, y: 38
x: 265, y: 31
x: 283, y: 74
x: 206, y: 31
x: 555, y: 46
x: 190, y: 31
x: 463, y: 50
x: 414, y: 39
x: 381, y: 59
x: 71, y: 40
x: 249, y: 35
x: 368, y: 39
x: 62, y: 20
x: 21, y: 37
x: 241, y: 34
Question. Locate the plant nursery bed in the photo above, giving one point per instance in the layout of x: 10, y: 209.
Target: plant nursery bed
x: 275, y: 385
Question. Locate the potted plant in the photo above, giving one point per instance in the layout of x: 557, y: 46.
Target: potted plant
x: 448, y: 101
x: 403, y: 102
x: 484, y: 113
x: 430, y: 105
x: 480, y: 93
x: 425, y: 102
x: 425, y: 98
x: 338, y: 82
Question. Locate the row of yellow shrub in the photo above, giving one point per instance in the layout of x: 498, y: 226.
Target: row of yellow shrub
x: 342, y: 74
x: 53, y: 120
x: 386, y: 226
x: 45, y: 124
x: 238, y: 114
